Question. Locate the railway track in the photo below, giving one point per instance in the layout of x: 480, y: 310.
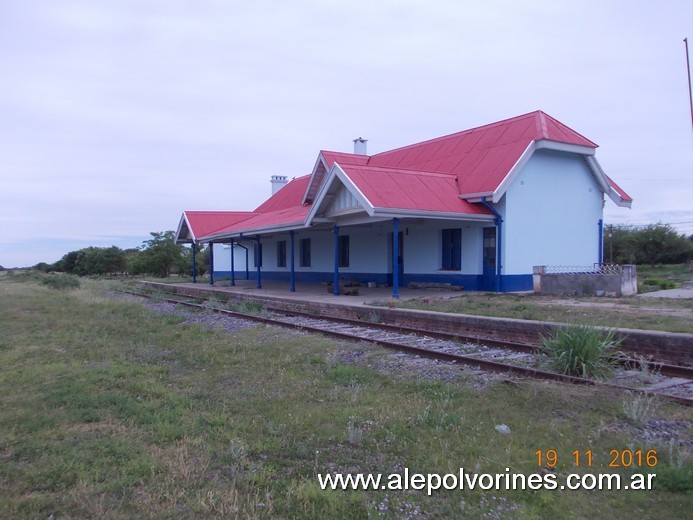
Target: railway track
x: 513, y: 358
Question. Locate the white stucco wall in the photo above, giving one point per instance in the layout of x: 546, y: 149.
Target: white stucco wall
x: 222, y: 257
x: 370, y: 249
x: 423, y: 247
x: 551, y: 213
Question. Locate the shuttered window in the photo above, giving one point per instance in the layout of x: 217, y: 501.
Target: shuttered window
x: 452, y: 249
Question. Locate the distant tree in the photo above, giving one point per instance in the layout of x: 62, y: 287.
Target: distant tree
x: 652, y: 244
x: 184, y: 267
x: 158, y: 256
x: 92, y: 261
x: 41, y: 266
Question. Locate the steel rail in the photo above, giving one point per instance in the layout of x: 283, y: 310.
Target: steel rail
x: 486, y: 364
x: 662, y: 368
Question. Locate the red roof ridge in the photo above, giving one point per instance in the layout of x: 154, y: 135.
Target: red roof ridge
x: 542, y: 120
x: 404, y: 171
x: 209, y: 211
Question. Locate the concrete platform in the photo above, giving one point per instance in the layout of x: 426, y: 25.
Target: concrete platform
x: 674, y: 348
x: 317, y: 292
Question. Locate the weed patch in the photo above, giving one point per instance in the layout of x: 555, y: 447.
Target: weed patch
x: 111, y: 410
x: 582, y: 350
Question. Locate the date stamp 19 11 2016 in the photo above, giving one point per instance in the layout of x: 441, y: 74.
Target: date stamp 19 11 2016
x: 623, y: 458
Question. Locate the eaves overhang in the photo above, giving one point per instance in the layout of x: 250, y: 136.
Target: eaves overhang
x: 442, y: 215
x: 184, y: 222
x: 337, y: 172
x: 544, y: 144
x: 605, y: 185
x: 262, y: 230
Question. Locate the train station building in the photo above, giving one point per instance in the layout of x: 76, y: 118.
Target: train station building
x: 476, y: 209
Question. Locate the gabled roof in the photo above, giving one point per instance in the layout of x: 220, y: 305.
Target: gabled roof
x: 483, y: 156
x: 446, y: 177
x: 194, y: 225
x: 284, y: 208
x: 325, y: 161
x: 287, y: 197
x: 395, y: 188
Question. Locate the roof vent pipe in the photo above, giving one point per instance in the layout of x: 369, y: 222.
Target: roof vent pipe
x: 278, y: 182
x: 360, y: 147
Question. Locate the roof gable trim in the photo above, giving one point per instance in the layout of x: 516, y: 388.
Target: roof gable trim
x: 177, y: 238
x: 316, y: 178
x: 605, y: 185
x: 542, y: 144
x: 337, y: 172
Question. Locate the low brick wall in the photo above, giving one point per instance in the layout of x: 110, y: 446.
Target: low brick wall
x: 667, y: 347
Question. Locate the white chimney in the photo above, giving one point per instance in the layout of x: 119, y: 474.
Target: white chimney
x: 360, y: 146
x: 278, y: 182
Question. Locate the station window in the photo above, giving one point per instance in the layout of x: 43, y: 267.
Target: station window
x: 452, y: 249
x: 305, y: 252
x: 281, y: 253
x: 257, y: 254
x: 344, y: 251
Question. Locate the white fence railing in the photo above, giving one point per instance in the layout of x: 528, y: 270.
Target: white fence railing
x: 582, y: 269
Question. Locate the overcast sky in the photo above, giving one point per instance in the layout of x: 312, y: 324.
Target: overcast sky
x: 115, y: 116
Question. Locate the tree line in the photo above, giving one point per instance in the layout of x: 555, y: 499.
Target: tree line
x: 159, y: 256
x: 652, y: 244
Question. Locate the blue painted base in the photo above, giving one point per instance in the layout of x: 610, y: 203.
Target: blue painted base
x: 471, y: 282
x: 517, y: 282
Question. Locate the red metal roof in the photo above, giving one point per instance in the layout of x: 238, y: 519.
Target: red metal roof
x: 282, y: 217
x: 619, y: 190
x: 343, y: 158
x: 325, y: 161
x: 423, y: 177
x: 483, y: 156
x: 282, y: 208
x: 204, y: 223
x: 409, y: 190
x: 287, y: 197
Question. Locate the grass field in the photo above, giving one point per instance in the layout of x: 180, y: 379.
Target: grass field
x: 652, y: 314
x: 665, y: 314
x: 112, y: 410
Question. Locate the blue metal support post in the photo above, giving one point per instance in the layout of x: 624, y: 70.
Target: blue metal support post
x: 211, y: 264
x: 335, y: 232
x: 395, y: 258
x: 292, y: 276
x: 258, y: 261
x: 499, y: 241
x: 600, y: 254
x: 194, y: 267
x: 233, y: 267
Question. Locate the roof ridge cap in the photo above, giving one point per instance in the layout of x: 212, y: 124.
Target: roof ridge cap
x: 407, y: 171
x: 461, y: 132
x: 542, y: 128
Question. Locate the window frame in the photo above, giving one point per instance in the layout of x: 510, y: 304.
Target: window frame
x: 451, y: 249
x: 281, y: 253
x: 305, y: 259
x: 343, y: 251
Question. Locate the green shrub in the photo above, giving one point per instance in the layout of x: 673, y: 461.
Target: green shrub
x: 246, y: 307
x: 660, y: 283
x: 582, y: 350
x: 60, y: 281
x: 675, y: 479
